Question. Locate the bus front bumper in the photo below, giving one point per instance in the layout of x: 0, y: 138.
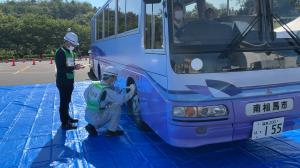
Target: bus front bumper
x: 203, y: 134
x: 193, y: 136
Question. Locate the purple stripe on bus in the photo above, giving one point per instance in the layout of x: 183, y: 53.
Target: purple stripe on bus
x: 199, y: 89
x: 225, y: 87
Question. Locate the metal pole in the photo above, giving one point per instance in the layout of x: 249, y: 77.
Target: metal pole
x: 227, y: 7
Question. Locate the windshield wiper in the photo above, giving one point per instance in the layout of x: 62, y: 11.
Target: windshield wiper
x: 288, y: 30
x: 238, y: 38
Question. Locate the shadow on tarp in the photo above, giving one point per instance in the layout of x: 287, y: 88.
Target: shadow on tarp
x: 55, y: 152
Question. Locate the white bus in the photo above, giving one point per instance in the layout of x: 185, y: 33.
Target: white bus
x: 206, y: 71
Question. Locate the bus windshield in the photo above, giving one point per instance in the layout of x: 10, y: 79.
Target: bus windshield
x: 213, y: 23
x: 223, y: 29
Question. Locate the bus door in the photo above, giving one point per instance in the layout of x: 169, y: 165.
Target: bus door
x: 154, y: 62
x: 154, y: 39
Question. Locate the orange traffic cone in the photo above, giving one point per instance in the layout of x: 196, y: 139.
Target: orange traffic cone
x: 51, y: 60
x: 33, y: 61
x: 13, y: 62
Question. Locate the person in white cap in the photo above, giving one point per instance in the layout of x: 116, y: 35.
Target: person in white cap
x: 103, y: 104
x: 65, y: 66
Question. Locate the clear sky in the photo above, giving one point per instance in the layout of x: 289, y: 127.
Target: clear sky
x: 95, y: 3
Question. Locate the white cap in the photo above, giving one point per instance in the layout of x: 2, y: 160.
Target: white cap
x: 110, y: 71
x: 72, y: 38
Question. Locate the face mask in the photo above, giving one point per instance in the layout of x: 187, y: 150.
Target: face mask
x: 178, y: 15
x: 71, y: 48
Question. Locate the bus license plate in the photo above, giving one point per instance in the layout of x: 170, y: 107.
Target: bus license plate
x: 267, y: 128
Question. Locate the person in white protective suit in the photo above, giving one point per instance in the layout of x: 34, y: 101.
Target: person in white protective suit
x: 103, y: 104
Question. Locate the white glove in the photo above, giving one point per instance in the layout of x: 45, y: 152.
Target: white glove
x: 132, y: 88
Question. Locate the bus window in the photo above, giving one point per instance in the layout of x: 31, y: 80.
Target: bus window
x: 121, y: 16
x: 233, y: 35
x: 191, y: 11
x: 111, y: 17
x: 148, y: 20
x: 158, y: 22
x: 99, y: 27
x: 132, y: 11
x: 199, y: 24
x: 154, y: 26
x: 106, y: 22
x: 289, y: 14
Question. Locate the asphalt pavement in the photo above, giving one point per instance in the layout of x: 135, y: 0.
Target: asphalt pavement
x: 24, y: 73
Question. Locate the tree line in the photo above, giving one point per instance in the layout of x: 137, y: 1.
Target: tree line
x: 38, y: 27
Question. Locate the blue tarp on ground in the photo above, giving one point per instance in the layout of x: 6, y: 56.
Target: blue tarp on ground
x: 30, y: 136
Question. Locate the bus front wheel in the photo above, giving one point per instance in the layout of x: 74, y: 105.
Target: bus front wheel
x: 92, y: 75
x: 134, y: 111
x: 99, y: 72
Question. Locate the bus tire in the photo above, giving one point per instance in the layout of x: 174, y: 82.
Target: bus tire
x: 99, y: 72
x: 134, y: 111
x: 92, y: 75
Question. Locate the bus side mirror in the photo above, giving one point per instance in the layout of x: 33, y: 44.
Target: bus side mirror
x: 151, y: 1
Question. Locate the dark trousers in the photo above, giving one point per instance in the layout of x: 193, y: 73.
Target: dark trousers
x: 65, y: 93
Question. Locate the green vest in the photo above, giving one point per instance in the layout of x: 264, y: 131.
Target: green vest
x: 69, y: 56
x: 94, y: 95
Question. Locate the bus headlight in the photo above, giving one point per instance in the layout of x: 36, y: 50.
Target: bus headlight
x: 200, y: 112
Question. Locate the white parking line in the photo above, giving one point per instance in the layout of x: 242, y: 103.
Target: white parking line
x: 48, y: 72
x: 23, y: 69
